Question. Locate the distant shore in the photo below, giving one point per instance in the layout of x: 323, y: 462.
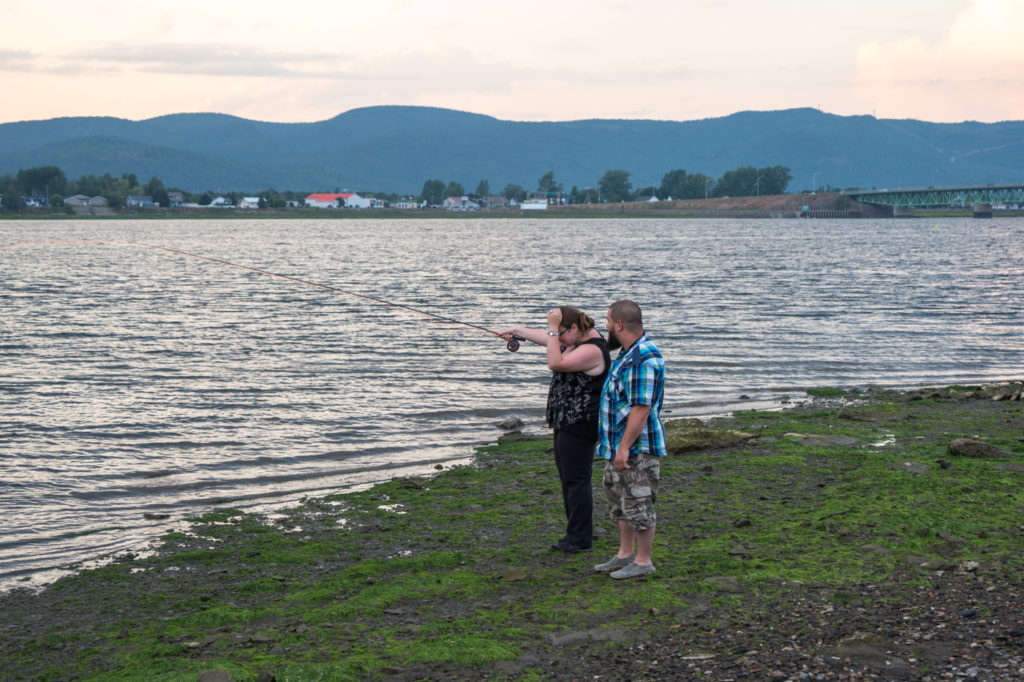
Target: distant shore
x: 772, y: 206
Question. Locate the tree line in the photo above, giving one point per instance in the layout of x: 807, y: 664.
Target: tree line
x: 615, y: 186
x: 51, y: 184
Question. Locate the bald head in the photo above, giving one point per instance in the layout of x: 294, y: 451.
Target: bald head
x: 628, y: 313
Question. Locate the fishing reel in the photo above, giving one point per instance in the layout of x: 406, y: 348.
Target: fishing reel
x: 513, y: 343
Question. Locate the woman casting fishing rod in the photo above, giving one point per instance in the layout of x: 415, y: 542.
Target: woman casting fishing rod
x: 578, y: 358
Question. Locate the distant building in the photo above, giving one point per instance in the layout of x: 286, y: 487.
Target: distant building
x: 175, y: 199
x: 249, y: 202
x: 139, y: 201
x: 647, y: 200
x: 220, y: 202
x: 407, y: 204
x: 460, y: 204
x: 327, y: 200
x: 534, y: 205
x: 78, y: 200
x: 350, y: 199
x: 494, y: 201
x: 99, y: 200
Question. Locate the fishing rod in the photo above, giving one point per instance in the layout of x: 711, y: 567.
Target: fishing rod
x: 512, y: 345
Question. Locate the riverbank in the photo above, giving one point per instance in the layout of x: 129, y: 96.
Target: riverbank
x: 767, y: 206
x: 841, y: 539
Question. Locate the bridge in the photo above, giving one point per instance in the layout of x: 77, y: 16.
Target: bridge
x: 941, y: 197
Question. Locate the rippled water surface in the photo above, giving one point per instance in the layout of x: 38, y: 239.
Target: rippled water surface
x: 137, y: 381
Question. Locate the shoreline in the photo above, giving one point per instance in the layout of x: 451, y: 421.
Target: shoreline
x: 781, y: 206
x: 840, y: 537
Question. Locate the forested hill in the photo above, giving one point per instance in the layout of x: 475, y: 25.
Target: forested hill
x: 397, y: 148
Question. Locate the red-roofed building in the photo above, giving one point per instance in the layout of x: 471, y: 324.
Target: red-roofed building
x: 328, y: 200
x: 350, y: 199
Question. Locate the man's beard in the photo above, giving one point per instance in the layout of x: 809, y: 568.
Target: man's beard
x: 613, y: 341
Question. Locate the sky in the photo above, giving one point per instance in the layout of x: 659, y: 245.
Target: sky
x: 680, y: 60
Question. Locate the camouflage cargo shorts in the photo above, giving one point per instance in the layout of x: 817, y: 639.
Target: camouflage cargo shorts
x: 631, y: 493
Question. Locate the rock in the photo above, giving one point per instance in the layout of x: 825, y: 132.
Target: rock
x: 155, y: 516
x: 822, y: 440
x: 740, y: 551
x: 874, y: 549
x: 1011, y: 392
x: 264, y: 676
x: 914, y: 467
x: 726, y: 582
x: 930, y: 564
x: 864, y: 414
x: 687, y: 435
x: 510, y: 423
x: 870, y: 650
x: 973, y: 447
x: 215, y: 676
x: 571, y: 637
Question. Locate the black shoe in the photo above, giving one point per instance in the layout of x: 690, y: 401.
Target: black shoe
x: 570, y: 547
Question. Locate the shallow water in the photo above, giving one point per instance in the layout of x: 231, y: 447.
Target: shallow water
x: 136, y: 381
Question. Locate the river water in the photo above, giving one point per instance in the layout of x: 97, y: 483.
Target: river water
x: 136, y: 381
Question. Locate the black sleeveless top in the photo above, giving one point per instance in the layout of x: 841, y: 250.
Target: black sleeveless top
x: 574, y: 398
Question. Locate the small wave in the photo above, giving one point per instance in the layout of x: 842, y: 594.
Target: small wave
x: 189, y: 444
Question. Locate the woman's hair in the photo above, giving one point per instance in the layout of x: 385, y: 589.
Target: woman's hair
x: 574, y: 316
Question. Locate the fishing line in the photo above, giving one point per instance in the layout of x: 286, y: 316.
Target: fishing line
x: 512, y: 345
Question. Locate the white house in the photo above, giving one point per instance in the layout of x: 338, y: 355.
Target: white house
x: 77, y: 200
x: 249, y: 202
x: 460, y: 204
x: 139, y: 201
x: 407, y: 204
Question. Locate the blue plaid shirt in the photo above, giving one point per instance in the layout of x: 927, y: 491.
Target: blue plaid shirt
x: 636, y: 377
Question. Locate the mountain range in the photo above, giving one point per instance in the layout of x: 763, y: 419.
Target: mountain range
x: 397, y: 148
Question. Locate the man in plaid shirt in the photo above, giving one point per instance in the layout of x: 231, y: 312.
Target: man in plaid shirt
x: 631, y: 438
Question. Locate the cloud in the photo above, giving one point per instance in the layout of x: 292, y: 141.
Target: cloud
x: 976, y: 70
x: 209, y: 60
x: 15, y: 60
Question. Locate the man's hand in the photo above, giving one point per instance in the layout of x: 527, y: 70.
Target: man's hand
x: 621, y: 462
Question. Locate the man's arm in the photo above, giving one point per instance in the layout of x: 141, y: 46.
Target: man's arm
x: 635, y: 423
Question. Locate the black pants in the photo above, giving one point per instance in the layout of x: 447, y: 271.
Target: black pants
x: 574, y: 457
